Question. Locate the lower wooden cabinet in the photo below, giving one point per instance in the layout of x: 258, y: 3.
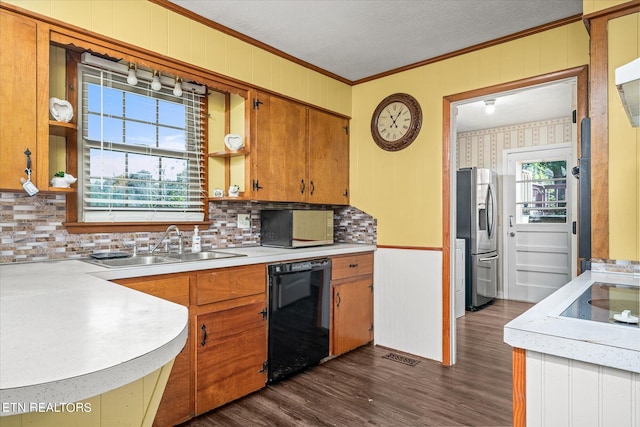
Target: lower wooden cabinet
x: 352, y: 315
x: 176, y: 405
x: 230, y: 334
x: 352, y: 284
x: 231, y: 353
x: 226, y: 352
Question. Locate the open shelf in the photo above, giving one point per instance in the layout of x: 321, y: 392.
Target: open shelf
x: 228, y: 154
x: 61, y: 128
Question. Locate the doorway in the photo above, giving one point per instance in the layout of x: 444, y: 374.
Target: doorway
x: 449, y: 168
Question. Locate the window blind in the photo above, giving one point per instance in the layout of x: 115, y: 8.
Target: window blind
x: 141, y: 151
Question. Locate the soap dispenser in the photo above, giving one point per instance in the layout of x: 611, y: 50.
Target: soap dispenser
x: 195, y: 243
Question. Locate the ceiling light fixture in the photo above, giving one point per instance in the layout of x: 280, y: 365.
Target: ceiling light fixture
x: 490, y: 106
x: 155, y: 83
x: 132, y: 79
x: 177, y: 89
x: 140, y: 73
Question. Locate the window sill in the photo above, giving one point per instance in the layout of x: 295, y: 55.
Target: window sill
x: 126, y: 227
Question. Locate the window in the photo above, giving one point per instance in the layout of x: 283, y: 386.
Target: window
x: 541, y: 190
x: 140, y: 151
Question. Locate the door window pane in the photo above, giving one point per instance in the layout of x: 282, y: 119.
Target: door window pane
x: 541, y: 189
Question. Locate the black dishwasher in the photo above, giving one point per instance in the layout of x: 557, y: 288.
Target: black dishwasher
x: 299, y: 296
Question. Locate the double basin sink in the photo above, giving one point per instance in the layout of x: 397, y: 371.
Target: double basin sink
x: 142, y: 260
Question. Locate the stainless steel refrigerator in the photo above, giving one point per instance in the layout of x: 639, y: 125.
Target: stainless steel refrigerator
x: 476, y: 221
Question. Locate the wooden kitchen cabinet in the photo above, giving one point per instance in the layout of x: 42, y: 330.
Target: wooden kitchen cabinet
x: 328, y: 158
x: 24, y: 87
x: 231, y: 330
x: 229, y: 283
x: 176, y: 405
x: 352, y: 284
x: 300, y: 154
x: 231, y: 353
x: 280, y: 155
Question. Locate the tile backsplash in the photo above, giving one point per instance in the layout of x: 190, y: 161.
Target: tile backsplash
x: 31, y: 229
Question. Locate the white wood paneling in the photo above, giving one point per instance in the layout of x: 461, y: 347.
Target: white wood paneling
x: 566, y: 392
x: 408, y: 301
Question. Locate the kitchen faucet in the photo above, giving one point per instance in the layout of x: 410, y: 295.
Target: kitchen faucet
x: 164, y: 236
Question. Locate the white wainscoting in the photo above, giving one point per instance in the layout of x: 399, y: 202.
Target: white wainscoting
x: 408, y: 301
x: 565, y: 392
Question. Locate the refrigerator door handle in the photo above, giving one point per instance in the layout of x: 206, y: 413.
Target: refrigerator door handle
x: 490, y: 211
x: 490, y: 258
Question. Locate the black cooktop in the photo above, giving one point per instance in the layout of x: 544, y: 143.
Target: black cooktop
x: 601, y: 302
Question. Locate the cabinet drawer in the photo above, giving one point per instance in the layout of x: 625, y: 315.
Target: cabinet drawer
x: 229, y: 283
x: 351, y: 265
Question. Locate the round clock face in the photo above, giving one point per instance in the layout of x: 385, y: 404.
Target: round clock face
x: 396, y: 122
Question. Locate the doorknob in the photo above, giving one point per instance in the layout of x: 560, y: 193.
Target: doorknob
x: 512, y: 234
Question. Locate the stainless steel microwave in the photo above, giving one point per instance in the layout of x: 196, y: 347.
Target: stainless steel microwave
x: 294, y: 228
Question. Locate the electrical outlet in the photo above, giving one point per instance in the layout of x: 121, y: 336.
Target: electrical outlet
x: 244, y: 221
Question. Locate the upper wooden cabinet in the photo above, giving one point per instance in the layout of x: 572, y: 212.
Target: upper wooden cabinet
x: 299, y: 154
x: 328, y: 158
x: 25, y: 64
x: 24, y: 88
x: 280, y: 154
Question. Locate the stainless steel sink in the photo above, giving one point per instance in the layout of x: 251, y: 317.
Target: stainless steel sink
x: 133, y: 261
x: 147, y: 260
x: 197, y: 256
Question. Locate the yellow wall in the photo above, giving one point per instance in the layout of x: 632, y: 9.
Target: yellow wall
x: 590, y: 6
x: 403, y: 190
x: 155, y: 28
x: 624, y: 155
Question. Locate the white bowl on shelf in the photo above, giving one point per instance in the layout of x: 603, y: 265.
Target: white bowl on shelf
x: 233, y: 142
x: 61, y: 110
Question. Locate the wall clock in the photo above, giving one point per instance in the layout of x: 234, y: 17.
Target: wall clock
x: 396, y: 121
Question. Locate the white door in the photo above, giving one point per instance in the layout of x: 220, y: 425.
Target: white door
x: 538, y: 194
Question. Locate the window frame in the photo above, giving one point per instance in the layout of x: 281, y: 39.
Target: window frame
x: 115, y: 82
x: 74, y: 46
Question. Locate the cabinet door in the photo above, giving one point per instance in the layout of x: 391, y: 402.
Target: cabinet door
x: 352, y: 314
x: 18, y: 107
x: 279, y: 154
x: 231, y: 350
x: 176, y: 405
x: 328, y: 158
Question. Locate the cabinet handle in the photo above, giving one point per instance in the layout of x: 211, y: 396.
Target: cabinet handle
x: 353, y: 265
x: 346, y: 193
x: 302, y: 186
x: 313, y: 188
x: 339, y: 300
x: 28, y: 154
x: 204, y: 335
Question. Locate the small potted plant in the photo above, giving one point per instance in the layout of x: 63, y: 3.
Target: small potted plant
x: 62, y: 180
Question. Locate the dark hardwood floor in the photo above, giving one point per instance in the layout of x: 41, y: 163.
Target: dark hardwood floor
x: 363, y: 388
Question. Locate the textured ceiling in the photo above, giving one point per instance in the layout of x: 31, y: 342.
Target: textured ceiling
x: 356, y: 39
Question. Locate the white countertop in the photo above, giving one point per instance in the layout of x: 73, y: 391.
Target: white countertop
x: 543, y: 330
x: 67, y: 334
